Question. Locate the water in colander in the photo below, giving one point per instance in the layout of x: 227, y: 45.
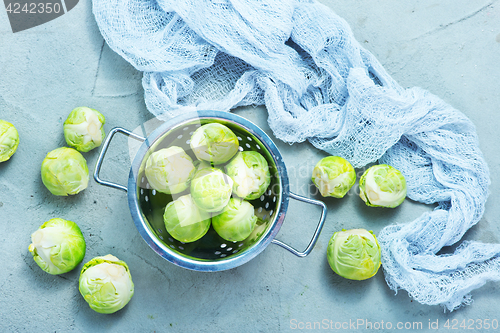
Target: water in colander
x: 211, y: 246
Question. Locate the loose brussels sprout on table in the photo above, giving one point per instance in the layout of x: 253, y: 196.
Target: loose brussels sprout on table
x: 169, y: 170
x: 9, y: 140
x: 211, y: 189
x: 106, y: 284
x: 184, y: 221
x: 83, y: 129
x: 57, y: 246
x: 214, y: 143
x: 333, y: 176
x: 354, y: 254
x: 250, y: 174
x: 64, y: 171
x: 236, y: 222
x: 382, y: 186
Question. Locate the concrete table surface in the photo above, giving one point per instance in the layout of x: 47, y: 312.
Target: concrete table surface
x: 449, y: 47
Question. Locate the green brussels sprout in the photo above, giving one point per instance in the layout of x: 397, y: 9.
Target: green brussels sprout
x: 83, y: 129
x: 106, y: 284
x: 169, y: 170
x: 333, y: 176
x: 184, y: 221
x: 57, y: 246
x: 9, y: 140
x: 354, y: 254
x: 382, y: 186
x: 211, y: 189
x: 65, y: 171
x: 214, y: 143
x: 236, y: 222
x: 250, y: 174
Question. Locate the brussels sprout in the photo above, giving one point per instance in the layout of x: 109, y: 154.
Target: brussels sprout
x: 214, y: 143
x: 250, y: 174
x: 354, y: 254
x: 83, y: 129
x: 169, y: 170
x: 211, y: 189
x: 106, y: 284
x: 184, y: 221
x: 382, y: 186
x: 236, y: 222
x: 9, y: 140
x: 57, y: 246
x: 333, y: 176
x: 65, y: 171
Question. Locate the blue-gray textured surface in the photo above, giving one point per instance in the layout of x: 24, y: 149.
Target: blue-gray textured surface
x: 448, y: 48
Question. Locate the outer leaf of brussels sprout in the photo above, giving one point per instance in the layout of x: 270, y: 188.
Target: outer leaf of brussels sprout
x: 184, y: 221
x: 106, y: 284
x: 83, y: 129
x: 214, y: 143
x: 211, y: 189
x: 382, y: 186
x: 64, y: 171
x: 57, y: 246
x: 333, y: 176
x: 169, y: 170
x: 250, y: 174
x: 354, y: 254
x: 236, y: 222
x: 9, y: 140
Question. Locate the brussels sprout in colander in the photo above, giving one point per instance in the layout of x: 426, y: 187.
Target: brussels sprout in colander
x: 169, y: 170
x: 214, y: 143
x: 184, y: 221
x: 250, y: 174
x: 236, y: 222
x: 211, y: 189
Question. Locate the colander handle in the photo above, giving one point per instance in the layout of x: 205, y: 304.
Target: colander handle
x: 103, y: 153
x: 316, y: 233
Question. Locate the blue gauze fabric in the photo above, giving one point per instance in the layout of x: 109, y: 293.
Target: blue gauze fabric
x: 301, y: 61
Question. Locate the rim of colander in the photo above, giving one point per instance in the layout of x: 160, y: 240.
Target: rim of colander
x: 165, y: 251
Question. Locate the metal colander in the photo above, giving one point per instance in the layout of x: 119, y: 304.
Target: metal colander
x: 211, y: 252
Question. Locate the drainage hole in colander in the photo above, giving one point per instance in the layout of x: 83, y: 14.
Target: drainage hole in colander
x: 160, y: 236
x: 153, y: 192
x: 179, y: 137
x: 249, y: 138
x: 171, y: 239
x: 274, y: 199
x: 217, y: 253
x: 267, y: 205
x: 258, y: 147
x: 240, y: 148
x: 185, y: 128
x: 229, y: 249
x: 142, y: 180
x: 181, y: 248
x: 259, y: 210
x: 223, y: 255
x: 188, y: 141
x: 160, y: 231
x: 240, y: 244
x: 172, y: 246
x: 235, y: 251
x: 223, y: 245
x: 271, y: 212
x: 239, y: 138
x: 142, y: 191
x: 146, y: 198
x: 262, y: 198
x: 191, y: 133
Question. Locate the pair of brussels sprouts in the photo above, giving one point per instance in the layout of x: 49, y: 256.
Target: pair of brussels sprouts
x: 380, y: 185
x: 9, y: 140
x: 64, y: 170
x: 58, y: 246
x: 188, y: 218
